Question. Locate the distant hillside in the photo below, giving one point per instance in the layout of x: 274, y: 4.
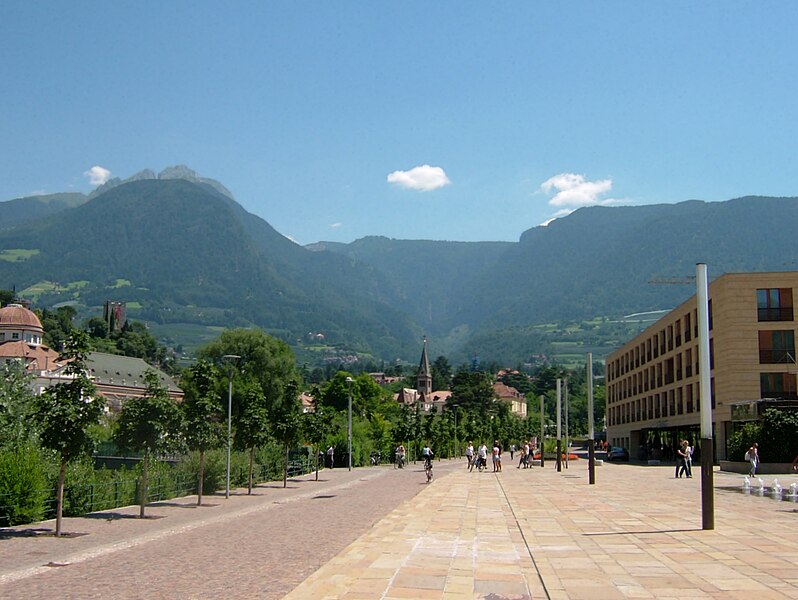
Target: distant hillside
x: 180, y: 250
x: 23, y: 210
x: 431, y: 277
x: 190, y: 254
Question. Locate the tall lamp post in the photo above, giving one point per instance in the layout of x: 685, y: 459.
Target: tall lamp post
x: 230, y: 359
x: 705, y: 387
x: 591, y: 436
x: 559, y: 425
x: 456, y: 453
x: 349, y: 381
x: 542, y: 432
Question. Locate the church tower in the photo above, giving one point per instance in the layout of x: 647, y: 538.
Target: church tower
x: 424, y: 378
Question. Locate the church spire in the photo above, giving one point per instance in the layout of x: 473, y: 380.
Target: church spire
x: 424, y: 378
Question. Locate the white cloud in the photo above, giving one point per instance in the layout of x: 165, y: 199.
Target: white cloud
x: 335, y: 225
x: 97, y: 175
x: 423, y: 178
x: 574, y: 191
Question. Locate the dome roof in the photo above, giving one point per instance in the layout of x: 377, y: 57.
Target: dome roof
x: 18, y: 317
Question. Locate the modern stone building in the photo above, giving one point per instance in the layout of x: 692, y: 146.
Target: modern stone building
x: 653, y: 380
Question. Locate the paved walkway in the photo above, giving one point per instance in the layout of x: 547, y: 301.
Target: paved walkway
x: 379, y: 533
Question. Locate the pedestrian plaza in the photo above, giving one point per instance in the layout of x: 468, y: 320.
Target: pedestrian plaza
x: 520, y: 534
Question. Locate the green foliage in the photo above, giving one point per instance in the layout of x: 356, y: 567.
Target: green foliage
x: 65, y: 411
x: 202, y: 419
x: 779, y: 439
x: 57, y: 325
x: 742, y: 438
x: 150, y: 424
x: 16, y: 404
x: 252, y: 420
x: 7, y: 297
x: 775, y: 433
x: 441, y: 374
x: 22, y: 486
x: 214, y: 472
x: 471, y: 391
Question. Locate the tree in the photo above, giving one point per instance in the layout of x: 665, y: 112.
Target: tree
x: 472, y: 391
x: 7, y: 297
x: 441, y: 374
x: 201, y: 414
x: 285, y: 424
x: 16, y: 403
x: 251, y: 424
x: 316, y: 426
x: 57, y: 325
x: 150, y: 424
x: 65, y: 411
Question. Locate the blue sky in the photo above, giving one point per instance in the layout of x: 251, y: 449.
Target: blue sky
x: 414, y: 120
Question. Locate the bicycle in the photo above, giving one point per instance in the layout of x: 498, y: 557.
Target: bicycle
x: 375, y: 459
x: 428, y: 471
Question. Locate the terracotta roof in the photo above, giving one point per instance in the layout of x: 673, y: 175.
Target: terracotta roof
x: 16, y: 315
x: 43, y: 357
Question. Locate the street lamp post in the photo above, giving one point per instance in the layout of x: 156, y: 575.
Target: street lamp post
x: 559, y: 425
x: 567, y: 443
x: 230, y: 359
x: 705, y: 387
x: 542, y: 432
x: 591, y: 436
x: 349, y: 381
x: 456, y: 453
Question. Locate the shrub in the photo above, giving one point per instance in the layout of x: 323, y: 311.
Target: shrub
x: 742, y: 438
x: 779, y: 434
x: 23, y: 486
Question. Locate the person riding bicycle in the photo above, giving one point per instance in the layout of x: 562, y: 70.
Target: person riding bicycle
x: 400, y: 456
x: 426, y: 454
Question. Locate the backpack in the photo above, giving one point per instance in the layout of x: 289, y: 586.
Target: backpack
x: 747, y: 455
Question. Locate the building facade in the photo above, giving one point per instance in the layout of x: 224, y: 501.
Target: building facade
x: 653, y: 397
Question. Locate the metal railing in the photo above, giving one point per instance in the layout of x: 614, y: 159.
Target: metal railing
x: 82, y: 499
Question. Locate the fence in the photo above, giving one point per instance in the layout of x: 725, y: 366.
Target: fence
x: 81, y: 499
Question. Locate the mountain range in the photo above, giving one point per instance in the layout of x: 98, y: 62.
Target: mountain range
x: 179, y: 249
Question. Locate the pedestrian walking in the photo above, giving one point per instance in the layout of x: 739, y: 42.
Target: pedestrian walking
x: 470, y: 455
x: 330, y: 457
x: 752, y: 456
x: 688, y: 458
x: 681, y: 459
x: 482, y: 456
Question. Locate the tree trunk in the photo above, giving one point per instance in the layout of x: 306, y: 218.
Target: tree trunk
x: 317, y: 462
x: 143, y: 499
x: 59, y: 503
x: 285, y: 468
x: 251, y: 467
x: 201, y: 477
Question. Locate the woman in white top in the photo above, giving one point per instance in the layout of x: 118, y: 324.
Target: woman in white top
x: 469, y: 455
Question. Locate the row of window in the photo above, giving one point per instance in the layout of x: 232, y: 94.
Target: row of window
x: 775, y: 347
x: 678, y: 401
x: 665, y: 372
x: 773, y: 304
x: 673, y: 336
x: 14, y: 336
x: 686, y: 400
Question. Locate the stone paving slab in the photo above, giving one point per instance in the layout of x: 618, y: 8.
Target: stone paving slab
x: 537, y: 533
x: 380, y: 533
x: 258, y: 546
